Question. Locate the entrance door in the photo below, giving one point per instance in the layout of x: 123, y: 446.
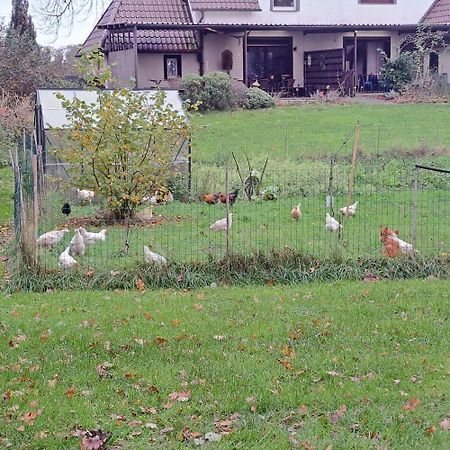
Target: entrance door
x: 269, y: 58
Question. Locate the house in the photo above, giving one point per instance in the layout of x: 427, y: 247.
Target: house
x: 316, y: 44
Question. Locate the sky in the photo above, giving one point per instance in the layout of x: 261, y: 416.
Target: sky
x: 82, y: 26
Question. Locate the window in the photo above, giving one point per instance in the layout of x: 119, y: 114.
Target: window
x: 172, y: 66
x: 378, y: 2
x: 284, y: 5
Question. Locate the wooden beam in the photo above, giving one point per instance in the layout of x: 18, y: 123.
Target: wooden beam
x: 135, y: 51
x: 244, y: 58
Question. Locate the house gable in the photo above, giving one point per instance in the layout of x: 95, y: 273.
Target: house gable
x: 438, y: 14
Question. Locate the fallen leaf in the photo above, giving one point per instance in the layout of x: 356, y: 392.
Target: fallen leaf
x: 334, y: 374
x: 94, y: 440
x: 218, y: 337
x: 445, y: 424
x: 411, y: 404
x: 285, y: 363
x: 140, y: 285
x: 175, y: 322
x: 29, y: 417
x: 102, y: 370
x: 198, y: 306
x: 148, y: 316
x: 431, y: 430
x: 303, y: 409
x: 70, y: 393
x: 160, y: 340
x: 337, y: 415
x: 130, y: 375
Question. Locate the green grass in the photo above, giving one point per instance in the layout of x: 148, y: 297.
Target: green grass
x: 296, y: 132
x: 6, y: 190
x: 184, y: 235
x: 370, y: 347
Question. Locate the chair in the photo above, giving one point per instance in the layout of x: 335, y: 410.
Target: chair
x: 265, y: 85
x: 287, y: 87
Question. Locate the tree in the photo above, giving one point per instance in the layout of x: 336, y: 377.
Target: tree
x: 122, y: 144
x: 21, y: 23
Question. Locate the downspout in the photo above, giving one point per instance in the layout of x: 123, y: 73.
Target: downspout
x: 201, y: 40
x: 244, y: 58
x: 355, y: 63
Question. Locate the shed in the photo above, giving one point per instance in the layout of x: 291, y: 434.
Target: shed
x: 50, y: 115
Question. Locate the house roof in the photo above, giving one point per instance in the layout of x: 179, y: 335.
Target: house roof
x: 438, y: 13
x: 225, y: 5
x: 148, y: 11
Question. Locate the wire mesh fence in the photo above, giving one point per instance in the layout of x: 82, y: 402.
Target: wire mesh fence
x: 180, y: 230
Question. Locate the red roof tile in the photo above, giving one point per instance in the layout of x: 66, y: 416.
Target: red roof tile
x: 148, y: 11
x: 439, y: 13
x: 225, y: 5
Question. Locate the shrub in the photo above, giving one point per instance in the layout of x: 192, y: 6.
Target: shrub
x: 191, y: 88
x: 256, y: 98
x: 213, y: 91
x: 398, y: 73
x: 240, y: 92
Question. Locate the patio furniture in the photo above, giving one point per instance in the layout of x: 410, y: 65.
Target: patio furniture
x: 286, y: 87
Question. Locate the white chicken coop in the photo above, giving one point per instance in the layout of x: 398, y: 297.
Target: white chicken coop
x: 50, y: 117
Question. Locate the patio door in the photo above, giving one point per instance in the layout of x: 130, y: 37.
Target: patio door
x: 269, y: 58
x: 369, y: 59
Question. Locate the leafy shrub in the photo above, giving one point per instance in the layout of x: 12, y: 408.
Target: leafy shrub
x: 256, y: 98
x: 240, y: 92
x: 398, y: 73
x: 191, y: 88
x: 213, y: 91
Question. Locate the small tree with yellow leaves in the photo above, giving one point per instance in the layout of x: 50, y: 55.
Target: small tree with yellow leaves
x: 122, y: 144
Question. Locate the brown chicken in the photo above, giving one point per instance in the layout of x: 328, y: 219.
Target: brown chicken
x: 232, y: 197
x: 296, y: 213
x: 211, y: 199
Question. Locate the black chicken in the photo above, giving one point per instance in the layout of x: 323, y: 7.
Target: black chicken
x: 66, y: 209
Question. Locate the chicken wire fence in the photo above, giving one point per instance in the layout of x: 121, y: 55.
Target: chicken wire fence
x: 260, y: 219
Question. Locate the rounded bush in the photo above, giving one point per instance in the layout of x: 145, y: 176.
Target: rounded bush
x: 256, y: 98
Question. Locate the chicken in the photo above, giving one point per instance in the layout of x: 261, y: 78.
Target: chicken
x: 211, y: 199
x: 77, y: 245
x: 152, y: 257
x: 65, y: 260
x: 91, y: 237
x: 296, y: 213
x: 349, y: 211
x: 160, y: 197
x: 51, y: 238
x: 332, y: 224
x: 221, y: 225
x: 231, y: 197
x: 85, y: 194
x: 66, y: 209
x: 393, y: 245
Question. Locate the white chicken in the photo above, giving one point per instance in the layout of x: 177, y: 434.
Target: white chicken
x: 405, y: 248
x: 159, y: 198
x: 77, y: 245
x: 51, y: 238
x: 332, y: 224
x: 221, y: 225
x: 85, y: 194
x: 349, y: 211
x: 65, y: 260
x: 152, y: 257
x: 91, y: 237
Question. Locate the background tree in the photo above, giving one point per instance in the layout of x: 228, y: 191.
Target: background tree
x: 122, y: 144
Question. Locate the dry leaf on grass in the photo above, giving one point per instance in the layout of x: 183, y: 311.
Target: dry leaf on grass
x: 411, y: 404
x: 94, y: 440
x: 445, y: 424
x: 337, y: 415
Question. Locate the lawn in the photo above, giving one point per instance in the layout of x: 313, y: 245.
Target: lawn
x: 347, y: 365
x: 293, y: 133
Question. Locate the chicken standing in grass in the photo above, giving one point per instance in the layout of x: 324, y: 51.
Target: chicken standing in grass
x: 393, y: 245
x: 153, y: 258
x: 296, y: 213
x: 349, y: 211
x: 230, y: 197
x: 65, y: 260
x: 77, y: 246
x: 66, y: 209
x: 332, y: 224
x: 221, y: 225
x: 85, y: 194
x: 211, y: 198
x: 91, y: 237
x: 51, y: 238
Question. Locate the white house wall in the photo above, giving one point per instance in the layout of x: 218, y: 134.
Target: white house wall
x: 151, y: 67
x: 214, y: 44
x: 319, y: 12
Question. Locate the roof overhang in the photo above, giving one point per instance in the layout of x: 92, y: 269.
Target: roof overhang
x: 331, y: 28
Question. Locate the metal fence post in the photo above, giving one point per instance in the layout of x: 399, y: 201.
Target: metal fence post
x: 415, y: 195
x: 228, y: 212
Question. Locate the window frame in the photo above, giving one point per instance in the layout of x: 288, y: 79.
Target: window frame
x: 377, y: 2
x: 178, y: 58
x: 295, y: 7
